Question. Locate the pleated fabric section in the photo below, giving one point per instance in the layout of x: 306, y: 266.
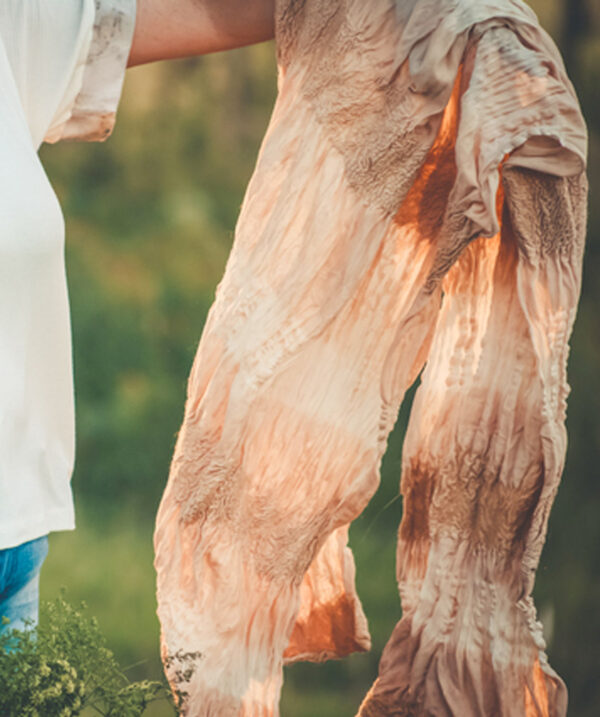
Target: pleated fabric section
x: 419, y: 196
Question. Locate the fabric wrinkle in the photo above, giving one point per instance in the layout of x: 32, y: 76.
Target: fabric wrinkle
x: 418, y: 204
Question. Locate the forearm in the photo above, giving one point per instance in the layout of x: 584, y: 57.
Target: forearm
x: 179, y: 28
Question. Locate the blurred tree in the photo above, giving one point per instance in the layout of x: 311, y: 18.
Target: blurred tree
x: 576, y: 26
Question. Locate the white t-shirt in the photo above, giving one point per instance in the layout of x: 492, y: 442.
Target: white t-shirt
x: 61, y: 71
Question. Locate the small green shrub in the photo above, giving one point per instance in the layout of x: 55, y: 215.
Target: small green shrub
x: 62, y: 666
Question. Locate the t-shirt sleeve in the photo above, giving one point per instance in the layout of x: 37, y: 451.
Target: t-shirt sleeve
x: 68, y: 59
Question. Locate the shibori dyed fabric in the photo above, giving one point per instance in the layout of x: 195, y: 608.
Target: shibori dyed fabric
x: 419, y: 200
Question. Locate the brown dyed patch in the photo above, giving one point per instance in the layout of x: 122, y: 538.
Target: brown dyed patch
x: 360, y: 97
x: 471, y: 500
x: 501, y: 515
x: 548, y: 213
x: 390, y: 694
x: 525, y: 509
x: 376, y: 706
x: 417, y: 487
x: 329, y: 631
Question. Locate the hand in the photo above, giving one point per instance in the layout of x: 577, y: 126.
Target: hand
x: 178, y: 28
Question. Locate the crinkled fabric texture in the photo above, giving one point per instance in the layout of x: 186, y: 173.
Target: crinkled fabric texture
x: 419, y: 200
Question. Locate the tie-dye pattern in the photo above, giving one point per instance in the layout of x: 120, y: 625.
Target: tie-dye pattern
x: 419, y: 197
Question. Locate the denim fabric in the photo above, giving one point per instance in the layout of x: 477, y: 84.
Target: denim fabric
x: 19, y: 582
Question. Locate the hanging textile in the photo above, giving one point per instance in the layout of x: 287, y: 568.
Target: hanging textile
x: 419, y: 199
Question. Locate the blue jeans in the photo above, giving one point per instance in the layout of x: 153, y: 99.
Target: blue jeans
x: 20, y: 582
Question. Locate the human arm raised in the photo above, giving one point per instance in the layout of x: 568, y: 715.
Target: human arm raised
x: 168, y: 29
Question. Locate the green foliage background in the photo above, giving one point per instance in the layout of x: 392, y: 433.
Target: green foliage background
x: 150, y: 220
x: 62, y: 667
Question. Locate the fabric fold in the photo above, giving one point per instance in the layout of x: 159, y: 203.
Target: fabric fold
x: 393, y: 219
x: 481, y: 465
x: 88, y: 111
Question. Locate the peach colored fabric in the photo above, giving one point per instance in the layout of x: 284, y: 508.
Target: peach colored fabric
x: 419, y: 197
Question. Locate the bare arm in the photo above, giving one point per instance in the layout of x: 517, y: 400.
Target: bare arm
x: 177, y: 28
